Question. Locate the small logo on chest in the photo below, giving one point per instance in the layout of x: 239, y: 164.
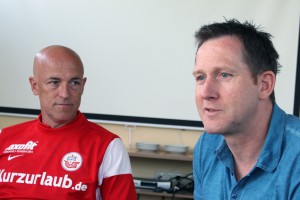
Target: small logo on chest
x: 18, y: 150
x: 21, y: 148
x: 12, y: 157
x: 71, y: 161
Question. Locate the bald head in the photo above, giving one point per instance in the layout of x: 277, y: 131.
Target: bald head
x: 58, y: 81
x: 56, y: 55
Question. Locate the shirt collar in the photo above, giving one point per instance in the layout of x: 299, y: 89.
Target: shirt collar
x: 271, y: 152
x: 78, y: 117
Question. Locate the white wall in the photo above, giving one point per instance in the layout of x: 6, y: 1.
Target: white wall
x: 138, y: 55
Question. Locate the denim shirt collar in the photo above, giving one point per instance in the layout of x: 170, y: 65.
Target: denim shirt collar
x: 270, y: 154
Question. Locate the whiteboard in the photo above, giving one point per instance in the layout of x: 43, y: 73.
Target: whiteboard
x: 138, y: 55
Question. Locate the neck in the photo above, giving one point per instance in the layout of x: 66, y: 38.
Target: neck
x: 246, y: 155
x: 247, y: 145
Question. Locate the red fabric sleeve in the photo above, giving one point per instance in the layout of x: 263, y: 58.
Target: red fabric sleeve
x: 120, y: 187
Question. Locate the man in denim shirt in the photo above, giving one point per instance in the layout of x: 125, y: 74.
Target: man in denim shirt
x: 251, y: 148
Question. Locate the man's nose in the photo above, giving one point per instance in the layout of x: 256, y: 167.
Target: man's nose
x: 64, y: 90
x: 209, y: 88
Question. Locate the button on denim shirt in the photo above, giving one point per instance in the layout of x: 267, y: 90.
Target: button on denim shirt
x: 276, y: 175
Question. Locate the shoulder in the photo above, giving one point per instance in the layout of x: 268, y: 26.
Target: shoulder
x: 293, y: 123
x: 92, y: 128
x: 285, y: 125
x: 98, y: 130
x: 292, y: 129
x: 19, y: 126
x: 290, y: 124
x: 292, y: 133
x: 290, y: 139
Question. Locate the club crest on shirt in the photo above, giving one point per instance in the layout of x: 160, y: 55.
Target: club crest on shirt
x: 71, y: 161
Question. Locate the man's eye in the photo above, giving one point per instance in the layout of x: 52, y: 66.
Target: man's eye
x: 53, y: 82
x: 75, y: 83
x: 200, y: 78
x: 224, y: 75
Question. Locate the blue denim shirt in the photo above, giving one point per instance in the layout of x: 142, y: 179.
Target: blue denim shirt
x: 276, y: 175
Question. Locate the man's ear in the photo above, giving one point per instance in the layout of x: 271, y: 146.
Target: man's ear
x: 267, y: 84
x: 84, y: 81
x: 34, y: 86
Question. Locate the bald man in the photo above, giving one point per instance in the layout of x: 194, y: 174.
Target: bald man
x: 61, y: 155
